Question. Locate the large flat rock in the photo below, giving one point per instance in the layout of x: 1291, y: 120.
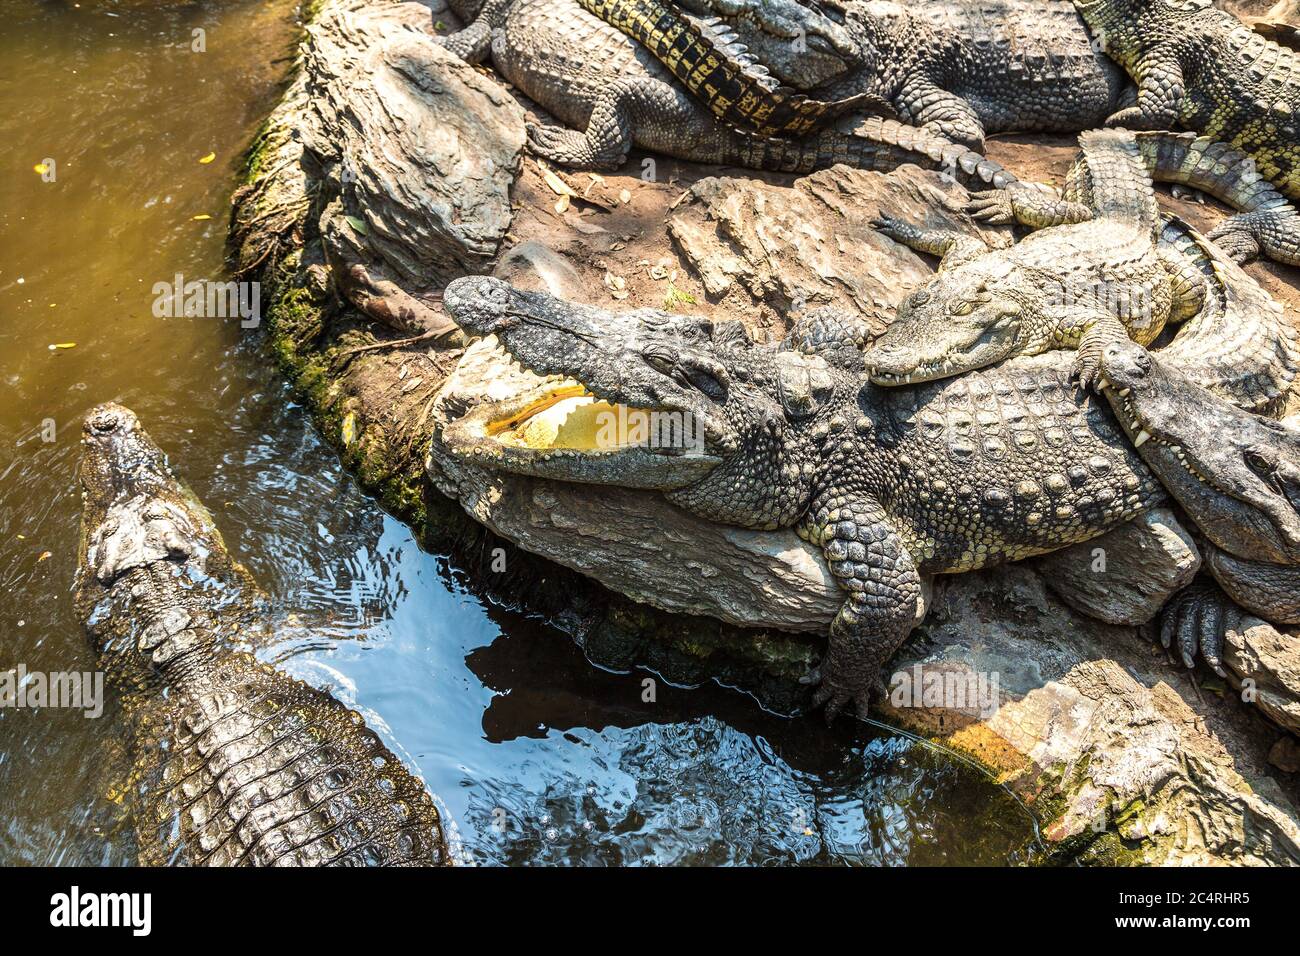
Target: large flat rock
x: 423, y: 147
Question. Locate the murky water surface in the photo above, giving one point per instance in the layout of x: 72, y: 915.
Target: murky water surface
x: 537, y: 756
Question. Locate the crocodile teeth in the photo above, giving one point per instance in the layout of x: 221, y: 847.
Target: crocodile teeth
x: 1142, y: 438
x: 1125, y: 392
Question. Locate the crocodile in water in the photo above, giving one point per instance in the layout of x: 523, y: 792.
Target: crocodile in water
x: 234, y: 762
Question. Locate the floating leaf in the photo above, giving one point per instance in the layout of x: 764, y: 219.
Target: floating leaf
x: 44, y: 556
x: 63, y: 345
x: 357, y: 224
x: 349, y: 428
x: 200, y: 217
x: 41, y: 168
x: 208, y: 158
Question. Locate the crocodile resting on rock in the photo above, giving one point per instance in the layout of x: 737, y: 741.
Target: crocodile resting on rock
x: 233, y: 761
x: 1097, y: 277
x: 895, y: 484
x: 1103, y: 270
x: 596, y: 79
x: 1235, y: 475
x: 965, y: 68
x: 1204, y: 69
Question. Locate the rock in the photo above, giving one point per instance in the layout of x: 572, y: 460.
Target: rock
x: 813, y: 244
x: 1119, y: 765
x: 1266, y: 666
x: 539, y: 268
x: 1126, y: 576
x: 423, y: 147
x: 1285, y: 755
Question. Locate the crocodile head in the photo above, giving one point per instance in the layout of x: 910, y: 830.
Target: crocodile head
x: 1237, y: 475
x: 963, y: 319
x: 643, y: 399
x: 145, y: 542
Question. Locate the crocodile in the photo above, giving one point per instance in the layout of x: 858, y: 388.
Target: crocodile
x: 1203, y: 69
x: 1237, y: 477
x: 986, y: 305
x: 234, y: 762
x: 894, y: 484
x: 963, y: 69
x: 969, y: 68
x: 596, y: 79
x: 1098, y: 276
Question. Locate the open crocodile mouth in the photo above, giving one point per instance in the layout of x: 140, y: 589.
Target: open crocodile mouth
x: 566, y: 416
x: 559, y: 427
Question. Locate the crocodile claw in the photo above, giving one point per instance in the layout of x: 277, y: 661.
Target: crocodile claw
x: 1087, y: 369
x: 836, y: 693
x: 1197, y: 620
x: 895, y: 229
x: 992, y: 206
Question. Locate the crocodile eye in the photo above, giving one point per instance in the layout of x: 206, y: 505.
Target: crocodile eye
x: 1258, y: 462
x: 661, y: 359
x: 962, y: 308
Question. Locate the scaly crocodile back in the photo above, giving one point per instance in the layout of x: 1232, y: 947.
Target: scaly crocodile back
x: 733, y: 86
x: 1241, y: 87
x: 249, y: 766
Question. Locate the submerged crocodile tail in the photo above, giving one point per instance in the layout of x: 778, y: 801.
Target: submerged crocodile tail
x: 877, y: 144
x: 1216, y: 168
x: 1242, y: 346
x: 733, y: 86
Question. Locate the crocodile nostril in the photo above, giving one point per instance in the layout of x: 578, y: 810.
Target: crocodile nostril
x: 105, y: 422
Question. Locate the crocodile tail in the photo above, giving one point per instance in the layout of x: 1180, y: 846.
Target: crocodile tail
x: 1241, y: 346
x: 1219, y: 169
x: 717, y: 69
x: 877, y: 144
x: 1109, y: 168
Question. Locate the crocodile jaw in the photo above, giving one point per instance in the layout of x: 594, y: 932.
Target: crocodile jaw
x: 559, y: 429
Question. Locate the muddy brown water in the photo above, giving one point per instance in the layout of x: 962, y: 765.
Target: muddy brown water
x: 536, y: 755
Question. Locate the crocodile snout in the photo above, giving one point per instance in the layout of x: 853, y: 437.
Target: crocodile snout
x: 110, y: 420
x: 478, y: 303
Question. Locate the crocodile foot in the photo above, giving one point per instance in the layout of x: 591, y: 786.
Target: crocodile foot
x: 994, y: 206
x: 901, y: 232
x: 1197, y: 619
x: 566, y: 147
x: 837, y: 687
x: 1087, y: 367
x: 1274, y: 233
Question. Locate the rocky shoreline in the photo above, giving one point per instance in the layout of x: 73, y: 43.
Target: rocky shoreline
x: 390, y: 168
